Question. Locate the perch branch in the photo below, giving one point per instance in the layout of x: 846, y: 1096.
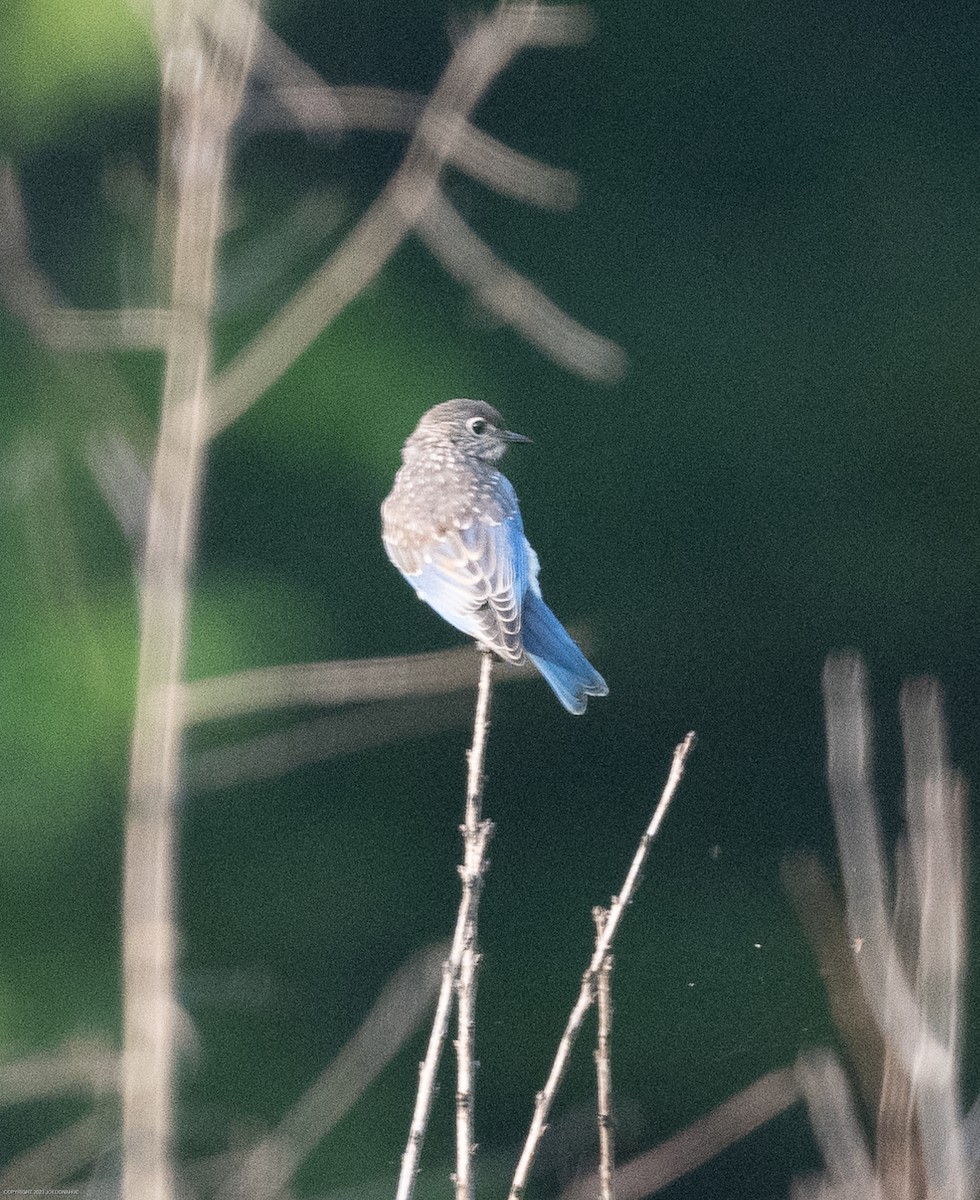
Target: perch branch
x: 471, y: 872
x: 603, y: 1066
x: 476, y: 833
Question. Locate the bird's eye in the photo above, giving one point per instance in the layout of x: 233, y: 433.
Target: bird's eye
x: 476, y: 425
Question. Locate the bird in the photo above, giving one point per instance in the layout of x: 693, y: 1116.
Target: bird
x: 452, y: 526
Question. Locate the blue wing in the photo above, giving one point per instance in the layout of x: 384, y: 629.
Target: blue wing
x: 475, y: 576
x: 480, y: 575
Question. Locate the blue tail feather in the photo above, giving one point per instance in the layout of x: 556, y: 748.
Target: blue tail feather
x: 550, y: 647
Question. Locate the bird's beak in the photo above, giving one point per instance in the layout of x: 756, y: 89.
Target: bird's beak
x: 508, y: 435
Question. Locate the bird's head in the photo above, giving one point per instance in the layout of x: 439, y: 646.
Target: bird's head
x: 468, y: 426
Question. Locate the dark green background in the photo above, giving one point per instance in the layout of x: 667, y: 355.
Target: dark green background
x: 780, y: 224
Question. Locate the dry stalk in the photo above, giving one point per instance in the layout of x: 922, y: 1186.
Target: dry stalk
x: 203, y: 86
x: 586, y: 996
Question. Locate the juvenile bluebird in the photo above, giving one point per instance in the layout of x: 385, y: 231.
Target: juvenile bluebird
x: 453, y: 528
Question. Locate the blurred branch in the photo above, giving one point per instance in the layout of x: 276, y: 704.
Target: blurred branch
x: 203, y: 85
x: 514, y: 299
x: 378, y: 109
x: 91, y: 1067
x: 825, y: 925
x: 683, y: 1153
x: 859, y: 839
x: 25, y: 291
x: 416, y: 696
x: 474, y: 65
x: 60, y: 1157
x: 909, y: 957
x: 110, y: 453
x: 935, y: 803
x: 251, y: 270
x: 919, y: 1018
x: 343, y: 681
x: 81, y: 1066
x: 122, y: 479
x: 507, y: 171
x: 36, y: 302
x: 395, y: 1016
x: 349, y: 732
x: 32, y: 481
x: 109, y: 329
x: 33, y: 299
x: 586, y: 997
x: 835, y: 1124
x: 287, y: 75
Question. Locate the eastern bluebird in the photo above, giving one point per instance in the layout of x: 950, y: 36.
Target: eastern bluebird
x: 453, y: 528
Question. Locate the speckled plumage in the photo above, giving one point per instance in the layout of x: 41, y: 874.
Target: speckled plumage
x: 453, y: 528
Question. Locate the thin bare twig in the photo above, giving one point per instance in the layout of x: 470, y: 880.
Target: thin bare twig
x: 544, y: 1098
x: 464, y: 936
x: 603, y: 1066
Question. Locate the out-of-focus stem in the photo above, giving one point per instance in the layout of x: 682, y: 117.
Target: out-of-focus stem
x: 203, y: 85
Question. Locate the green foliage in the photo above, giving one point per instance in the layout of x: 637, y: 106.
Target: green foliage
x: 61, y: 59
x: 358, y: 391
x: 779, y: 223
